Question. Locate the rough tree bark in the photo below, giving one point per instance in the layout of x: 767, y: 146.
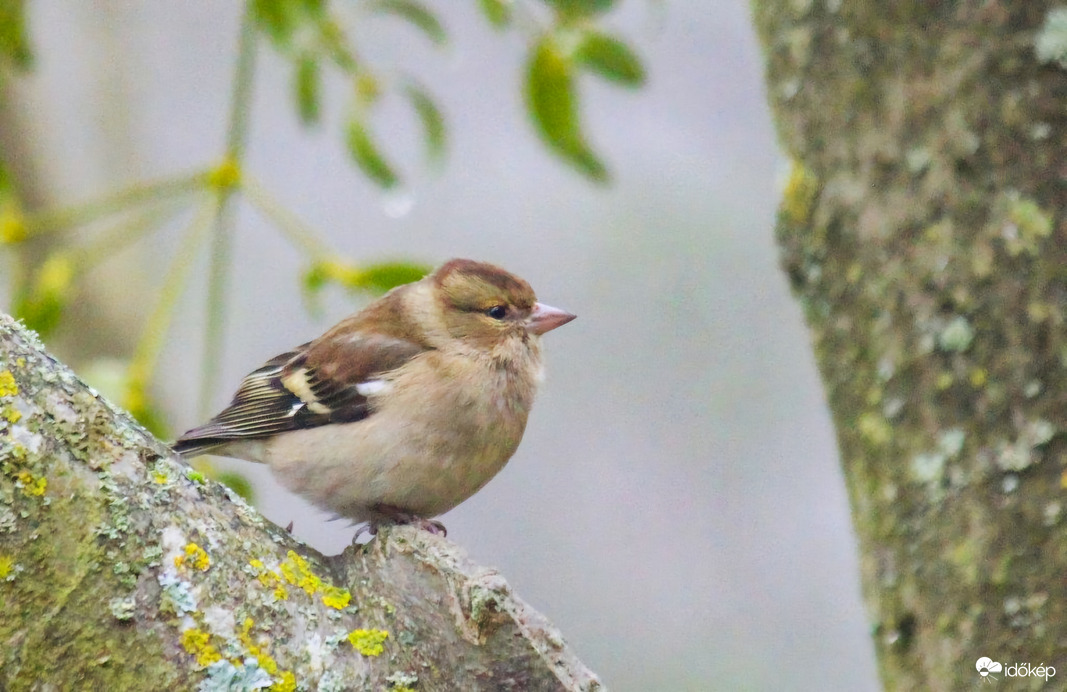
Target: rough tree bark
x: 923, y: 230
x: 122, y: 569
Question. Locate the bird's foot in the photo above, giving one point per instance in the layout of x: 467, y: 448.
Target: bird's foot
x: 432, y: 525
x: 369, y: 527
x: 394, y: 515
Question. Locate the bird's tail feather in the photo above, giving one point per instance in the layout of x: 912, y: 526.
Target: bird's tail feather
x: 191, y: 448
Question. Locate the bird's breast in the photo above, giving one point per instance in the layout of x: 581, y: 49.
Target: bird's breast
x: 439, y: 432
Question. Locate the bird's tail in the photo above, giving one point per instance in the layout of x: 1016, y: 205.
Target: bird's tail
x: 190, y: 448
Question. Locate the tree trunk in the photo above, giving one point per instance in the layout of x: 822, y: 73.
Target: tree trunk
x: 922, y: 228
x: 123, y: 569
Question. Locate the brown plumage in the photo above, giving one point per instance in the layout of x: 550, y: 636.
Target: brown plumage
x: 402, y: 410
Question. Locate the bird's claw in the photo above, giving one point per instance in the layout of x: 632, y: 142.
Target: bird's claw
x: 432, y: 525
x: 392, y: 515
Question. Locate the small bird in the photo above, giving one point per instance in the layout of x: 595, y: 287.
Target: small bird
x: 403, y: 410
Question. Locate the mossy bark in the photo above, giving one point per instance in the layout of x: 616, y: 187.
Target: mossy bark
x: 123, y: 569
x: 924, y: 233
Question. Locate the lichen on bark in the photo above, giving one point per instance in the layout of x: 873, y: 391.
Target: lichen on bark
x: 928, y: 253
x: 122, y: 569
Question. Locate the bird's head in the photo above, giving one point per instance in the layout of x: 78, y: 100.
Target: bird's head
x: 484, y: 305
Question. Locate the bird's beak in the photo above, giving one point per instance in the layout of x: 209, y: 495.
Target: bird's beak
x: 545, y: 318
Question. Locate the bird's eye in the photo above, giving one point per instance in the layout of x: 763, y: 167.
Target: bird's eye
x: 497, y: 312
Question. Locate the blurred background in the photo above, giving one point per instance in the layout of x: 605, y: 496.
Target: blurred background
x: 676, y: 507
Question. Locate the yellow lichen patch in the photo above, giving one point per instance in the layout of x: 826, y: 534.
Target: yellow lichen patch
x: 296, y: 571
x: 798, y: 197
x: 266, y: 661
x: 7, y: 565
x: 269, y: 579
x: 32, y: 486
x: 159, y: 477
x: 198, y: 643
x: 195, y: 557
x: 1063, y: 480
x: 8, y: 386
x: 286, y: 680
x: 368, y: 642
x: 12, y: 415
x: 335, y: 597
x: 979, y: 376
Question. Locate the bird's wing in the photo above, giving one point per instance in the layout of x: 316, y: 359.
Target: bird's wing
x: 329, y: 380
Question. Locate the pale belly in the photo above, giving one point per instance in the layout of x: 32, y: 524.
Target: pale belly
x: 391, y: 460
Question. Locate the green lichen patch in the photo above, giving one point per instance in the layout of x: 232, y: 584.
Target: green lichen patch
x: 957, y: 335
x: 1022, y: 224
x: 148, y: 574
x: 928, y: 467
x: 402, y: 680
x: 1050, y: 44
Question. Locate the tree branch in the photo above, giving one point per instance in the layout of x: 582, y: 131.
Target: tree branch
x: 122, y: 568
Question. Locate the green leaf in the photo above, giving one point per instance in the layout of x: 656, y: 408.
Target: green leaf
x: 314, y: 280
x: 580, y: 8
x: 151, y: 417
x: 308, y: 89
x: 281, y: 20
x: 384, y: 276
x: 374, y: 278
x: 368, y: 157
x: 7, y: 181
x: 433, y: 123
x: 273, y: 20
x: 41, y: 313
x: 498, y: 12
x: 336, y: 47
x: 416, y: 14
x: 14, y: 45
x: 237, y: 483
x: 552, y: 102
x: 610, y: 58
x: 42, y: 303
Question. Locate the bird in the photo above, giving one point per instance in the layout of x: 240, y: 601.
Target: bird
x: 402, y: 410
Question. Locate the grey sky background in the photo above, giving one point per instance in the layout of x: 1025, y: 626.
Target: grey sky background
x: 676, y: 508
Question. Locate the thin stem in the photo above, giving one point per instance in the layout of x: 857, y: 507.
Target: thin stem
x: 113, y: 240
x: 222, y: 229
x: 218, y: 273
x: 241, y: 93
x: 151, y: 344
x: 303, y: 236
x: 134, y: 195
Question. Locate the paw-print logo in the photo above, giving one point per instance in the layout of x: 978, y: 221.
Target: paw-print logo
x: 986, y: 666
